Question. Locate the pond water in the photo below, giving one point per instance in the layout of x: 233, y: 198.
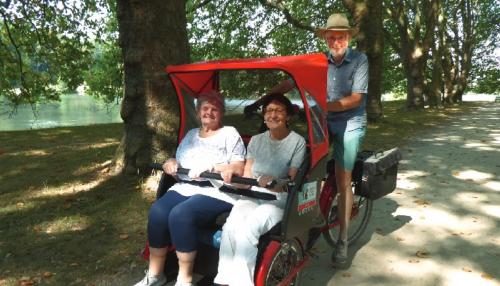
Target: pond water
x: 73, y: 109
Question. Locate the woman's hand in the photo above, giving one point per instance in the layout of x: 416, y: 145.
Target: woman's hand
x: 264, y: 181
x: 227, y: 175
x: 170, y: 166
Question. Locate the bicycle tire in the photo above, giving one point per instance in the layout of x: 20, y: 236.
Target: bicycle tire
x: 282, y: 263
x: 357, y: 225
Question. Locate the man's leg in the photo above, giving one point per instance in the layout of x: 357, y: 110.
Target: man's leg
x: 346, y: 147
x: 344, y: 199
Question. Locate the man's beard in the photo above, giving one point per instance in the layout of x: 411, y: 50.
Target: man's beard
x: 339, y: 54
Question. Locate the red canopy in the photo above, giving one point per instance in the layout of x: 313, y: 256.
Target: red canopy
x: 308, y: 71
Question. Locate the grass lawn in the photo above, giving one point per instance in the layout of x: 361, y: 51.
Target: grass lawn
x: 64, y: 220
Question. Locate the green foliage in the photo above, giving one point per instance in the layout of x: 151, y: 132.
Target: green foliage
x: 242, y: 29
x: 43, y: 43
x: 105, y: 76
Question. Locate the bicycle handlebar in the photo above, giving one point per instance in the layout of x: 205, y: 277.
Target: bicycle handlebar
x: 234, y: 179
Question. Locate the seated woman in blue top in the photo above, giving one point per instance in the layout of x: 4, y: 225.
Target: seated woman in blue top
x: 274, y: 154
x: 175, y: 217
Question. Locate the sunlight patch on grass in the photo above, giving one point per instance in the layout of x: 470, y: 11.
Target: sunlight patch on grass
x: 37, y: 152
x: 97, y: 145
x: 102, y: 167
x: 66, y: 224
x: 69, y: 188
x: 17, y: 206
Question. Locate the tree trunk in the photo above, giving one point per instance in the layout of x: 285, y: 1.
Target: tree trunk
x: 369, y: 16
x: 152, y: 35
x: 415, y: 74
x: 437, y: 71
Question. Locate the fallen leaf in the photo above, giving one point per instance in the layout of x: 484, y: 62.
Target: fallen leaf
x: 423, y: 254
x: 346, y: 274
x: 47, y: 274
x: 66, y: 205
x: 487, y: 276
x: 466, y: 269
x: 422, y: 202
x: 26, y: 281
x: 124, y: 236
x: 414, y: 261
x: 2, y: 151
x: 400, y: 238
x: 37, y: 228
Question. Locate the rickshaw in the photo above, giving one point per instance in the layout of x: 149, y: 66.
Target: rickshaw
x: 311, y: 209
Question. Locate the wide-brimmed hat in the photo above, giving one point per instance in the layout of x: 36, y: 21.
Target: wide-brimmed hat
x: 336, y: 22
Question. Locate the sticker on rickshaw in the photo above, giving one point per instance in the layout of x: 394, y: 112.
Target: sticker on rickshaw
x: 307, y: 198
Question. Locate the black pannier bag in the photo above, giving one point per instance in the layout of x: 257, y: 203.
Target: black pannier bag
x: 375, y: 173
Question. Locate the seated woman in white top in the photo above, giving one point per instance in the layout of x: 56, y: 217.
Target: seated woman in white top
x: 274, y: 154
x: 175, y: 217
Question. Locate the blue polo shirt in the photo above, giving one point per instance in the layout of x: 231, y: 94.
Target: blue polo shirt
x: 351, y: 76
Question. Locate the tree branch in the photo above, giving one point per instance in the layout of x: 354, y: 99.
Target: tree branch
x: 288, y: 17
x: 16, y: 47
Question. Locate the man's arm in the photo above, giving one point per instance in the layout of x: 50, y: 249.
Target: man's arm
x: 346, y: 103
x: 283, y: 87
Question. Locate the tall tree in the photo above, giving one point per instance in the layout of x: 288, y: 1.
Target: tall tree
x: 369, y: 16
x: 152, y: 35
x: 475, y: 22
x: 414, y: 22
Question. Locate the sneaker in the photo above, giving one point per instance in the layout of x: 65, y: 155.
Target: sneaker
x: 151, y: 280
x: 339, y: 257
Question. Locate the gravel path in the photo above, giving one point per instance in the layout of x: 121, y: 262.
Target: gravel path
x: 441, y: 226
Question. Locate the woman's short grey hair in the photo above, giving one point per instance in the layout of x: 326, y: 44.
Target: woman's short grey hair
x: 212, y: 97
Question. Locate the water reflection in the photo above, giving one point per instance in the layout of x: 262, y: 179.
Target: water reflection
x: 73, y: 109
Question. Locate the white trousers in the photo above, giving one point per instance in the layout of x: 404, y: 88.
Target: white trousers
x: 248, y: 220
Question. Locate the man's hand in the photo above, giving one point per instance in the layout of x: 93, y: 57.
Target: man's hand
x: 249, y: 110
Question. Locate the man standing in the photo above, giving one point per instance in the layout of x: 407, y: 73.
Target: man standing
x: 347, y: 86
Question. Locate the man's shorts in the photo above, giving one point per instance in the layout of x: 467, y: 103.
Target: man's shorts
x: 346, y: 146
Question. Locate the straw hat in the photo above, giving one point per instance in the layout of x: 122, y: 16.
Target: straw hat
x: 336, y: 22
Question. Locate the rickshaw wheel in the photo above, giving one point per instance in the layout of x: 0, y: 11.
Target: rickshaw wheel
x: 283, y: 262
x: 357, y: 225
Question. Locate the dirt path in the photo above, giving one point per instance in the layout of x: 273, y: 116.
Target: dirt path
x: 442, y: 224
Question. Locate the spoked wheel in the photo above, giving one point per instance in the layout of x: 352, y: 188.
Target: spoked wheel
x: 283, y: 262
x: 360, y: 215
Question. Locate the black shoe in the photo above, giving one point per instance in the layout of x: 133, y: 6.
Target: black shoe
x: 339, y: 256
